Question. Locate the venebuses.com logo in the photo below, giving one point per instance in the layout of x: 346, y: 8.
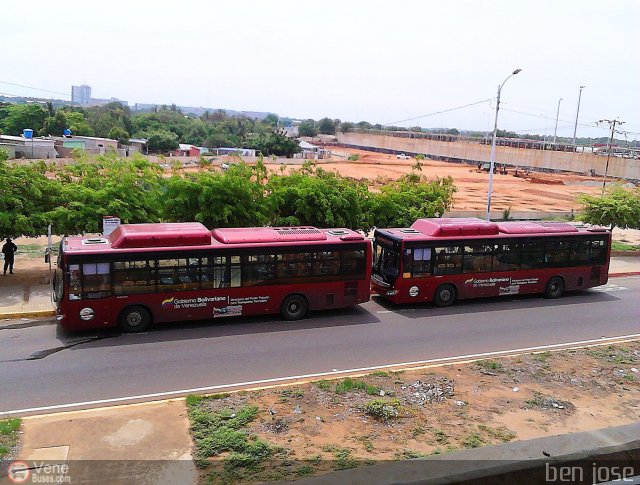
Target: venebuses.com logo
x: 38, y: 472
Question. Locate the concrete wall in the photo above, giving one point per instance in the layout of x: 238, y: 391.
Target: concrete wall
x: 474, y: 152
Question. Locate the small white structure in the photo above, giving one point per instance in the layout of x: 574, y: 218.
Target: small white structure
x: 312, y: 152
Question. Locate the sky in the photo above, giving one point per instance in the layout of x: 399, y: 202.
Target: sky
x: 378, y: 61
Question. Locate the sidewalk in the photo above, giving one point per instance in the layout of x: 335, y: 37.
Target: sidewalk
x: 26, y: 300
x: 139, y: 443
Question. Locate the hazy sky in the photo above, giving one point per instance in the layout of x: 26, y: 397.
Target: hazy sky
x: 379, y: 61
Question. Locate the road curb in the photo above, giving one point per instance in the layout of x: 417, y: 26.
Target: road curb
x: 621, y: 275
x: 28, y: 314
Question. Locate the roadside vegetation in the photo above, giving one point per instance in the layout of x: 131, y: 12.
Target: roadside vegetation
x: 9, y: 429
x: 73, y: 197
x: 312, y: 429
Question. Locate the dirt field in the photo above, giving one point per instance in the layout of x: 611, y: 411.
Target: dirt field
x: 330, y: 425
x: 536, y: 192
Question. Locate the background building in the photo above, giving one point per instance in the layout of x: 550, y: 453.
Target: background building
x: 81, y: 95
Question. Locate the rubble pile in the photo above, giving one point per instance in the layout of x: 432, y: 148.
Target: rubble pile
x: 423, y: 393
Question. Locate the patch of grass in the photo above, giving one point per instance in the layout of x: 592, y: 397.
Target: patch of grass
x: 489, y: 365
x: 612, y: 354
x: 323, y: 385
x: 503, y: 434
x: 287, y: 394
x: 383, y: 409
x: 349, y: 385
x: 621, y: 246
x: 417, y: 431
x: 409, y: 455
x: 543, y: 357
x: 8, y: 435
x: 353, y: 158
x: 440, y: 436
x: 305, y: 471
x: 344, y: 460
x: 366, y: 443
x: 473, y: 440
x: 379, y: 373
x: 315, y: 460
x: 224, y: 431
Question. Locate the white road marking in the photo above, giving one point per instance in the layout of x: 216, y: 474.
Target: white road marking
x: 610, y: 287
x: 157, y: 396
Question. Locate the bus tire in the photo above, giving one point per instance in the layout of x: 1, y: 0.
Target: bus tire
x: 294, y: 307
x: 134, y: 319
x: 554, y: 288
x: 444, y: 296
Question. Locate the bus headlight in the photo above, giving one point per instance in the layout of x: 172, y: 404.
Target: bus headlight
x: 86, y: 314
x: 392, y: 292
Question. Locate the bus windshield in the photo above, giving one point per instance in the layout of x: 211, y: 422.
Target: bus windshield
x: 386, y: 262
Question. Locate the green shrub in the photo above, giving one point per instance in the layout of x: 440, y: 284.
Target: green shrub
x: 383, y: 409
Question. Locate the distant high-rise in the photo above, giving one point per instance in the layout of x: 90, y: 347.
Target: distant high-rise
x: 81, y: 95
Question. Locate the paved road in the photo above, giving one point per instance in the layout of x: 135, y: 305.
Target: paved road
x: 40, y: 365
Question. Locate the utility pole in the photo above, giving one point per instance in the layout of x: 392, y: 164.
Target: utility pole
x: 612, y: 124
x: 555, y: 130
x: 575, y: 128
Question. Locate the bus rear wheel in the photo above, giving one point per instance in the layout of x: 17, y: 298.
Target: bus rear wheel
x: 135, y: 319
x: 554, y: 288
x: 445, y: 295
x: 294, y: 307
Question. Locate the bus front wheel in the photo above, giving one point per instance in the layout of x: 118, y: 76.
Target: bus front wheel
x: 135, y: 319
x: 294, y: 307
x: 445, y: 296
x: 554, y: 288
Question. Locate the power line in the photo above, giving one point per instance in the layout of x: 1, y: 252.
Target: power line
x: 594, y: 125
x: 36, y: 89
x: 437, y: 112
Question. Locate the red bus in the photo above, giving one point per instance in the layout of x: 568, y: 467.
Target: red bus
x: 153, y: 273
x: 441, y: 260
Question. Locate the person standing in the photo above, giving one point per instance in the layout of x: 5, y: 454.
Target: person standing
x: 9, y: 249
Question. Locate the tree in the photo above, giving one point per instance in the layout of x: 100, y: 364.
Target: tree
x: 55, y: 125
x: 618, y: 207
x: 313, y: 196
x: 17, y: 117
x: 276, y: 143
x: 327, y: 126
x: 117, y: 133
x: 271, y: 119
x: 307, y: 128
x: 161, y: 141
x: 77, y: 123
x: 346, y: 126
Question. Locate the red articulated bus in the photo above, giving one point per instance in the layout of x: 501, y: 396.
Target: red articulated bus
x: 153, y: 273
x: 441, y: 260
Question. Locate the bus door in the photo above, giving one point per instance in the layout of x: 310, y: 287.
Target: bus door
x: 89, y: 292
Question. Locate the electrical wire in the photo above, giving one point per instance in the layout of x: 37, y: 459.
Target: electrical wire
x: 36, y: 89
x: 437, y: 112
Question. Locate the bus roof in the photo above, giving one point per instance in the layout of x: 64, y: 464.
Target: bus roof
x: 193, y: 235
x: 471, y: 227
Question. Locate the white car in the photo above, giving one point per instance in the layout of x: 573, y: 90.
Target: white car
x: 402, y: 156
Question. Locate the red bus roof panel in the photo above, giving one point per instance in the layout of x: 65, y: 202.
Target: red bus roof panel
x: 535, y: 227
x: 451, y: 227
x: 246, y: 235
x: 160, y: 235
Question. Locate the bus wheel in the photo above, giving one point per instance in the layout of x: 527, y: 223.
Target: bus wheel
x: 555, y: 288
x: 135, y: 319
x: 445, y: 296
x: 294, y: 307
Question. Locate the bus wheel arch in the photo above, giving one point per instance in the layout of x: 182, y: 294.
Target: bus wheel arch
x: 135, y: 318
x: 445, y: 295
x: 294, y: 306
x: 555, y: 287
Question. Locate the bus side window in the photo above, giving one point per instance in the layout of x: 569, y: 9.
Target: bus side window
x: 235, y: 273
x: 421, y: 264
x: 96, y: 280
x: 75, y: 287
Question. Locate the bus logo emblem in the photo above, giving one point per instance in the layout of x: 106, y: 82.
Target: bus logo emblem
x: 168, y: 302
x: 413, y: 291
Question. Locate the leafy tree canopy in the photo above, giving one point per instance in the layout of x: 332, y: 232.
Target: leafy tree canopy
x: 618, y: 207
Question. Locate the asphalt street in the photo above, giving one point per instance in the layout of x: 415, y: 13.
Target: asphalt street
x: 41, y: 365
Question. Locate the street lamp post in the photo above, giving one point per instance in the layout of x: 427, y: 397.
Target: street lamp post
x: 575, y: 127
x: 493, y: 144
x: 555, y: 130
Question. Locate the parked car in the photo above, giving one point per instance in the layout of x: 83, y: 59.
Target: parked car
x: 402, y: 156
